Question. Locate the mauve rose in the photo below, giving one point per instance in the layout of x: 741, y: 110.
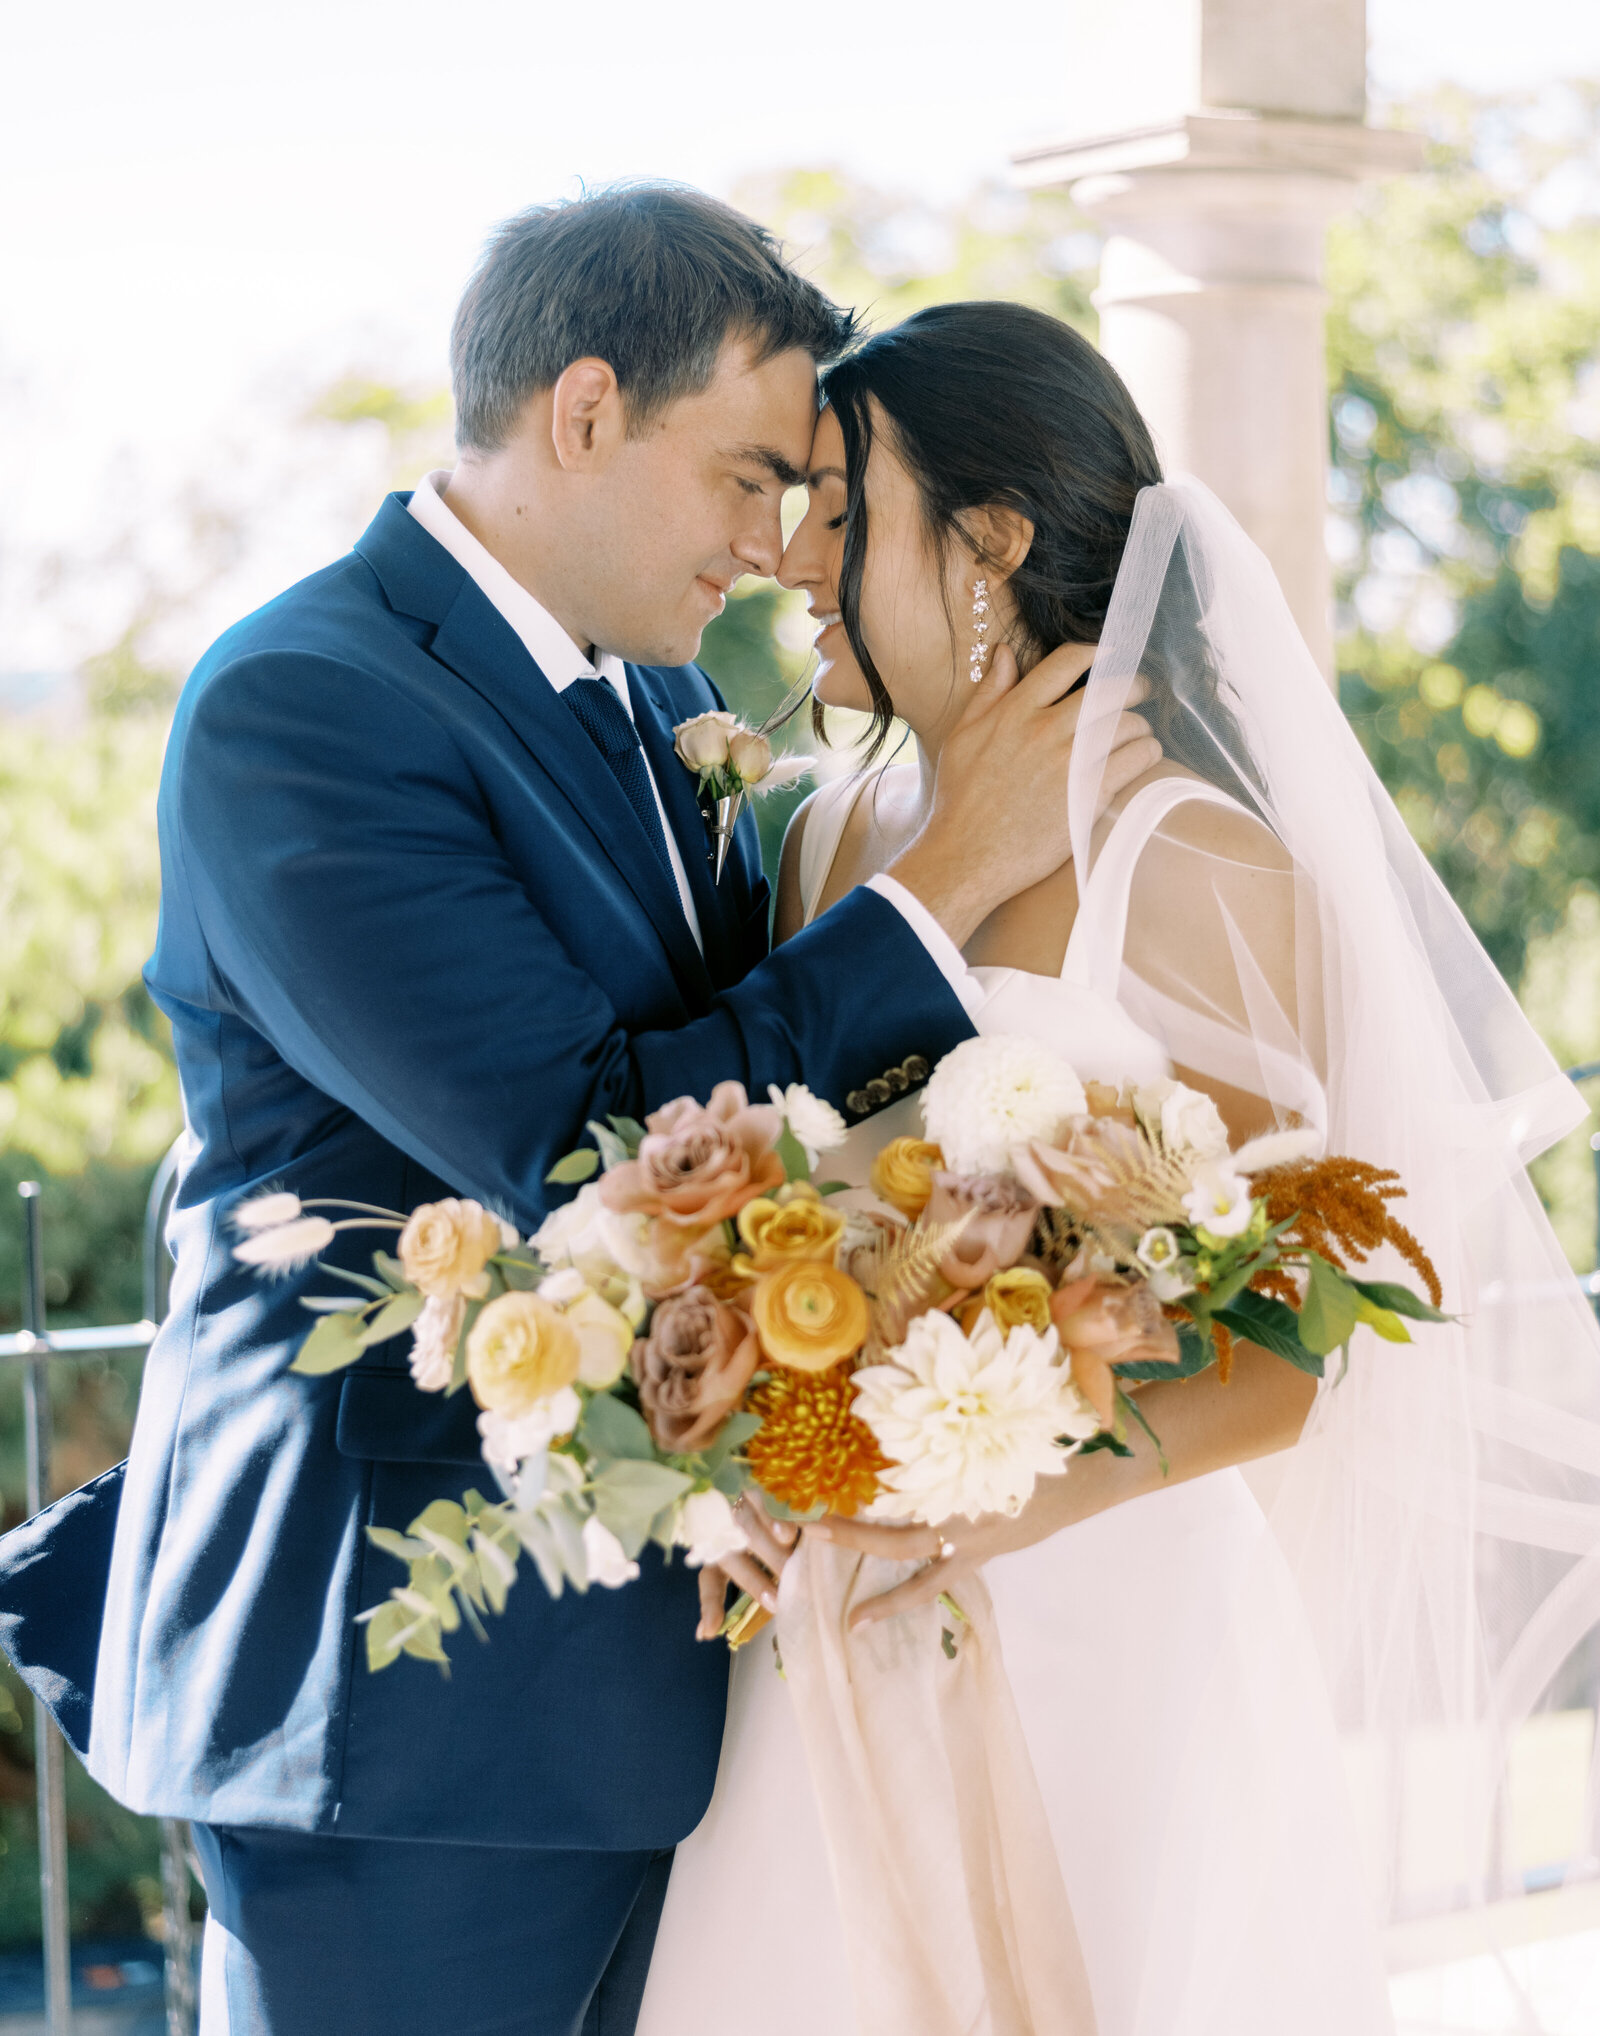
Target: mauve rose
x: 1101, y: 1326
x: 699, y: 1165
x: 693, y: 1367
x: 999, y: 1216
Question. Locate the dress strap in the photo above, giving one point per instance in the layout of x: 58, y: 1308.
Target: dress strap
x: 1094, y: 948
x: 827, y: 817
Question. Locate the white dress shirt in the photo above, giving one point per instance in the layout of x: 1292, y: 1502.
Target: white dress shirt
x: 563, y: 664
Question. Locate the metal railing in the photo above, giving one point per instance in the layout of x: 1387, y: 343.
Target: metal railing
x: 33, y: 1348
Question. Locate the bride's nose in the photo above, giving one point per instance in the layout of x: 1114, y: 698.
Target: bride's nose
x: 802, y: 567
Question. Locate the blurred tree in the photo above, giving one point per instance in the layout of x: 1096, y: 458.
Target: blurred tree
x: 1466, y: 500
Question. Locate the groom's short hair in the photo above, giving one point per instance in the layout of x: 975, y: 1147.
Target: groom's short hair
x: 653, y: 278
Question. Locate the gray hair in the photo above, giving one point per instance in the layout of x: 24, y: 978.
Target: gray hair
x: 652, y: 278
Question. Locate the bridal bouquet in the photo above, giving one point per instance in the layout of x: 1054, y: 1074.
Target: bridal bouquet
x: 707, y: 1316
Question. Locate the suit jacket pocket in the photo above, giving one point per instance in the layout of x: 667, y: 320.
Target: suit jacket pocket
x: 384, y: 1418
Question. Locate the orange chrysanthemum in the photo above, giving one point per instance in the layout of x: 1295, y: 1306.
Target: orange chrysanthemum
x: 811, y: 1449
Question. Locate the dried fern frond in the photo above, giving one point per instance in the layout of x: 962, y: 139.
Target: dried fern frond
x: 1110, y: 1176
x: 1340, y: 1210
x: 901, y: 1275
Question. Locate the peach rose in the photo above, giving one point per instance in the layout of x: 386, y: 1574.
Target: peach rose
x: 1101, y: 1325
x: 797, y: 1224
x: 1019, y: 1298
x: 999, y: 1216
x: 1091, y: 1173
x: 697, y: 1165
x: 693, y: 1367
x: 902, y: 1173
x: 809, y: 1317
x: 446, y: 1247
x: 520, y: 1351
x: 750, y: 754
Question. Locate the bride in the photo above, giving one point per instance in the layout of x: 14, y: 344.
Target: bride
x: 1196, y: 1654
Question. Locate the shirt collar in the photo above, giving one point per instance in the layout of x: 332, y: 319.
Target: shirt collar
x: 542, y: 636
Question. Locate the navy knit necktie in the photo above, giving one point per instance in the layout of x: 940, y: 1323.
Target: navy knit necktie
x: 610, y: 728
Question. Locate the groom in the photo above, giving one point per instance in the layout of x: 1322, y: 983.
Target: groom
x: 435, y: 893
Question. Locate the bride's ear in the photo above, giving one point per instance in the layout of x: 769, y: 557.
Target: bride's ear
x: 1000, y: 537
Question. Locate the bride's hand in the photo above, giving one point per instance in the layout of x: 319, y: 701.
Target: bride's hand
x: 769, y: 1544
x: 950, y: 1552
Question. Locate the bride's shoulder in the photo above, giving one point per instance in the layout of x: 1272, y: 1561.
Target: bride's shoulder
x: 1229, y: 833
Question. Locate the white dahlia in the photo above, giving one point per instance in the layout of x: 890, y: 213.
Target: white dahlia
x: 990, y: 1095
x: 968, y: 1422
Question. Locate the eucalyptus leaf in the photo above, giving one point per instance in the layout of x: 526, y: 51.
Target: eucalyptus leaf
x: 334, y: 1304
x: 401, y: 1546
x: 391, y: 1271
x: 629, y: 1495
x: 613, y: 1152
x: 334, y: 1343
x: 577, y: 1167
x: 629, y: 1130
x: 541, y: 1545
x: 394, y: 1316
x: 376, y: 1288
x: 1330, y: 1309
x: 611, y: 1428
x: 384, y: 1624
x: 796, y: 1166
x: 734, y: 1433
x: 833, y: 1187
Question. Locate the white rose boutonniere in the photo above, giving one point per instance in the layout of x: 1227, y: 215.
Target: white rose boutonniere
x: 731, y: 761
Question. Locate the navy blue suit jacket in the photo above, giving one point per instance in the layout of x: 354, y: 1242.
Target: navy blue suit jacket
x: 412, y: 936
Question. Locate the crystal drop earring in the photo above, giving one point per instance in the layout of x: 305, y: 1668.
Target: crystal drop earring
x: 980, y: 630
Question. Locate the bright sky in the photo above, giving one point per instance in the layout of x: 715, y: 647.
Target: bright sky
x: 198, y: 200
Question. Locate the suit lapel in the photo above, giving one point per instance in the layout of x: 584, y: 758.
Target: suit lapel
x: 652, y: 714
x: 477, y: 643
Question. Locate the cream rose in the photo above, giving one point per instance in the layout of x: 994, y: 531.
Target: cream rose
x: 605, y: 1335
x: 446, y: 1247
x: 520, y: 1351
x: 702, y: 743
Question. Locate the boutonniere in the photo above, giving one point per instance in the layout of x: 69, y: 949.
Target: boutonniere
x: 732, y: 761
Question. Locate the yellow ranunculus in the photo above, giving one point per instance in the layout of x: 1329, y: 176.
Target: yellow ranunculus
x: 800, y: 1226
x: 520, y: 1351
x: 446, y: 1246
x: 809, y: 1316
x: 903, y: 1174
x: 1018, y: 1298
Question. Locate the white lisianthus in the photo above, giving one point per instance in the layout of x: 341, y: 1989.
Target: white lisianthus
x: 815, y: 1122
x: 990, y: 1095
x: 604, y: 1556
x: 1161, y: 1256
x: 1219, y: 1204
x: 510, y: 1439
x: 969, y: 1422
x: 267, y: 1212
x: 288, y: 1247
x: 708, y: 1528
x: 434, y: 1336
x: 1185, y: 1121
x: 605, y: 1335
x: 574, y: 1234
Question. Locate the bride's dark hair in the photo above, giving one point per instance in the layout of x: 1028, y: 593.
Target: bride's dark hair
x: 996, y: 404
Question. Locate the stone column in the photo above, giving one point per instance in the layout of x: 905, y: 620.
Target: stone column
x: 1214, y: 140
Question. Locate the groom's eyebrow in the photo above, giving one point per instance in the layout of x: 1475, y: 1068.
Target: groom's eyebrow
x: 825, y: 474
x: 774, y: 462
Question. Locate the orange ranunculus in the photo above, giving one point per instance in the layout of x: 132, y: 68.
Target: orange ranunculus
x: 797, y: 1224
x: 809, y: 1316
x: 1017, y: 1298
x: 903, y: 1172
x: 1101, y: 1325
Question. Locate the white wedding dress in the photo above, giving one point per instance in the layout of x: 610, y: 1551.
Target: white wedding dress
x: 1164, y: 1676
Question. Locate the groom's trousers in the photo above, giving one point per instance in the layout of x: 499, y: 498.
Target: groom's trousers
x: 313, y: 1936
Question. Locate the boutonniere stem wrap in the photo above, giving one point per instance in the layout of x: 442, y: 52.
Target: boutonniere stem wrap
x: 731, y: 760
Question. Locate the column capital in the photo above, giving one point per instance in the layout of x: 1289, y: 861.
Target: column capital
x: 1344, y: 151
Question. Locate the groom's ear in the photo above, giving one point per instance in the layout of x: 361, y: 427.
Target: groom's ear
x: 587, y: 419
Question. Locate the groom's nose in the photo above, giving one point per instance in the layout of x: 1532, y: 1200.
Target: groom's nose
x: 759, y: 545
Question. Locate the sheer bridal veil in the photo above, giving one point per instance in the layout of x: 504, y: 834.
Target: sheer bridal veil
x: 1441, y: 1516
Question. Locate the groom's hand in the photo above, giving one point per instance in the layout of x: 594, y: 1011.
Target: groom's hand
x: 999, y: 822
x: 768, y: 1545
